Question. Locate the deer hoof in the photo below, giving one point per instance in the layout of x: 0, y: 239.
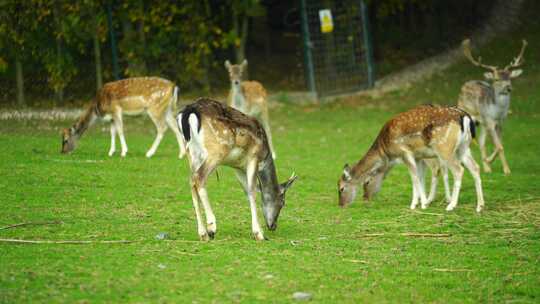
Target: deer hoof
x: 487, y: 168
x: 211, y: 230
x: 450, y: 207
x: 258, y: 236
x: 204, y: 237
x: 479, y: 209
x: 506, y: 171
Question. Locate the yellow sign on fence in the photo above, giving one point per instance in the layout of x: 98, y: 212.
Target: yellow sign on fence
x: 327, y: 25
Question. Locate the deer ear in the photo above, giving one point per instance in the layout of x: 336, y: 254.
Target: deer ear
x: 489, y: 75
x: 516, y: 73
x: 347, y: 172
x: 227, y: 64
x: 286, y: 185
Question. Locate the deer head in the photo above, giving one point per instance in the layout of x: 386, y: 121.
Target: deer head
x: 236, y: 71
x: 273, y: 202
x: 371, y: 181
x: 500, y: 78
x: 69, y: 140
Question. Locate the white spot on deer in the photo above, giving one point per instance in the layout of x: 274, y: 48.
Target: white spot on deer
x: 195, y: 146
x: 235, y: 154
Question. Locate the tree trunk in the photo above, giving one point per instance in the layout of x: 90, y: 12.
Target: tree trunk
x: 241, y: 31
x: 142, y: 40
x: 20, y: 82
x: 60, y: 91
x: 97, y: 57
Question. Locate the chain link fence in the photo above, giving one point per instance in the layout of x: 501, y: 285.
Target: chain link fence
x: 337, y: 49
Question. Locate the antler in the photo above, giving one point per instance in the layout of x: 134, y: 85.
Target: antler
x: 466, y: 44
x: 519, y: 59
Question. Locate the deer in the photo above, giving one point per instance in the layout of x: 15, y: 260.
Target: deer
x: 426, y: 132
x: 219, y: 135
x: 249, y: 97
x: 488, y: 102
x: 155, y: 96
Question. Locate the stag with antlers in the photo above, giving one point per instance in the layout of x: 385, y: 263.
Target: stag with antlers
x: 488, y: 102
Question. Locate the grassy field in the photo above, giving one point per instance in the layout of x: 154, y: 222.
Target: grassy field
x: 357, y: 254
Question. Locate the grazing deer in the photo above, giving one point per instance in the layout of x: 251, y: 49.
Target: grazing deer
x: 421, y: 133
x: 249, y: 97
x: 488, y: 102
x: 155, y: 96
x: 220, y: 135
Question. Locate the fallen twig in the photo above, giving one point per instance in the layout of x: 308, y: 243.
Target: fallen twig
x: 451, y: 270
x: 428, y: 213
x: 372, y: 234
x: 414, y: 234
x: 358, y: 261
x: 64, y: 242
x: 410, y: 234
x: 31, y: 223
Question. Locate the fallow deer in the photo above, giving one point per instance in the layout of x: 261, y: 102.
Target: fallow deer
x: 488, y: 102
x: 220, y: 135
x: 424, y: 132
x: 249, y: 97
x: 155, y: 96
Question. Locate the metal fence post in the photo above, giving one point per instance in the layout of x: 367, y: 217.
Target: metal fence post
x: 116, y: 70
x: 308, y: 59
x: 367, y: 44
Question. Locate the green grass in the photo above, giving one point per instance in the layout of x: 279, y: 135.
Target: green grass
x: 318, y: 248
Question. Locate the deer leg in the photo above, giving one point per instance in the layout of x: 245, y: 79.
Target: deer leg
x: 435, y: 170
x: 241, y: 176
x: 211, y: 224
x: 417, y: 188
x: 473, y: 168
x: 457, y: 173
x: 161, y: 128
x: 496, y: 142
x: 251, y: 181
x: 482, y: 143
x: 113, y: 140
x: 447, y: 195
x: 421, y: 172
x: 201, y: 229
x: 414, y: 201
x: 266, y: 126
x: 119, y: 126
x: 506, y: 168
x: 174, y: 127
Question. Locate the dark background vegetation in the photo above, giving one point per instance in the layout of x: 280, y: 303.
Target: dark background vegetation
x: 61, y: 49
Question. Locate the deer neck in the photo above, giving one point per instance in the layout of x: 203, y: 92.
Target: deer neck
x: 268, y: 182
x: 86, y: 120
x: 502, y: 99
x: 372, y: 163
x: 238, y: 99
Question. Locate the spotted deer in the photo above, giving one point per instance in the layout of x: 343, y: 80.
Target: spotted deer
x: 249, y: 97
x: 220, y: 135
x: 424, y: 132
x: 488, y: 102
x: 155, y: 96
